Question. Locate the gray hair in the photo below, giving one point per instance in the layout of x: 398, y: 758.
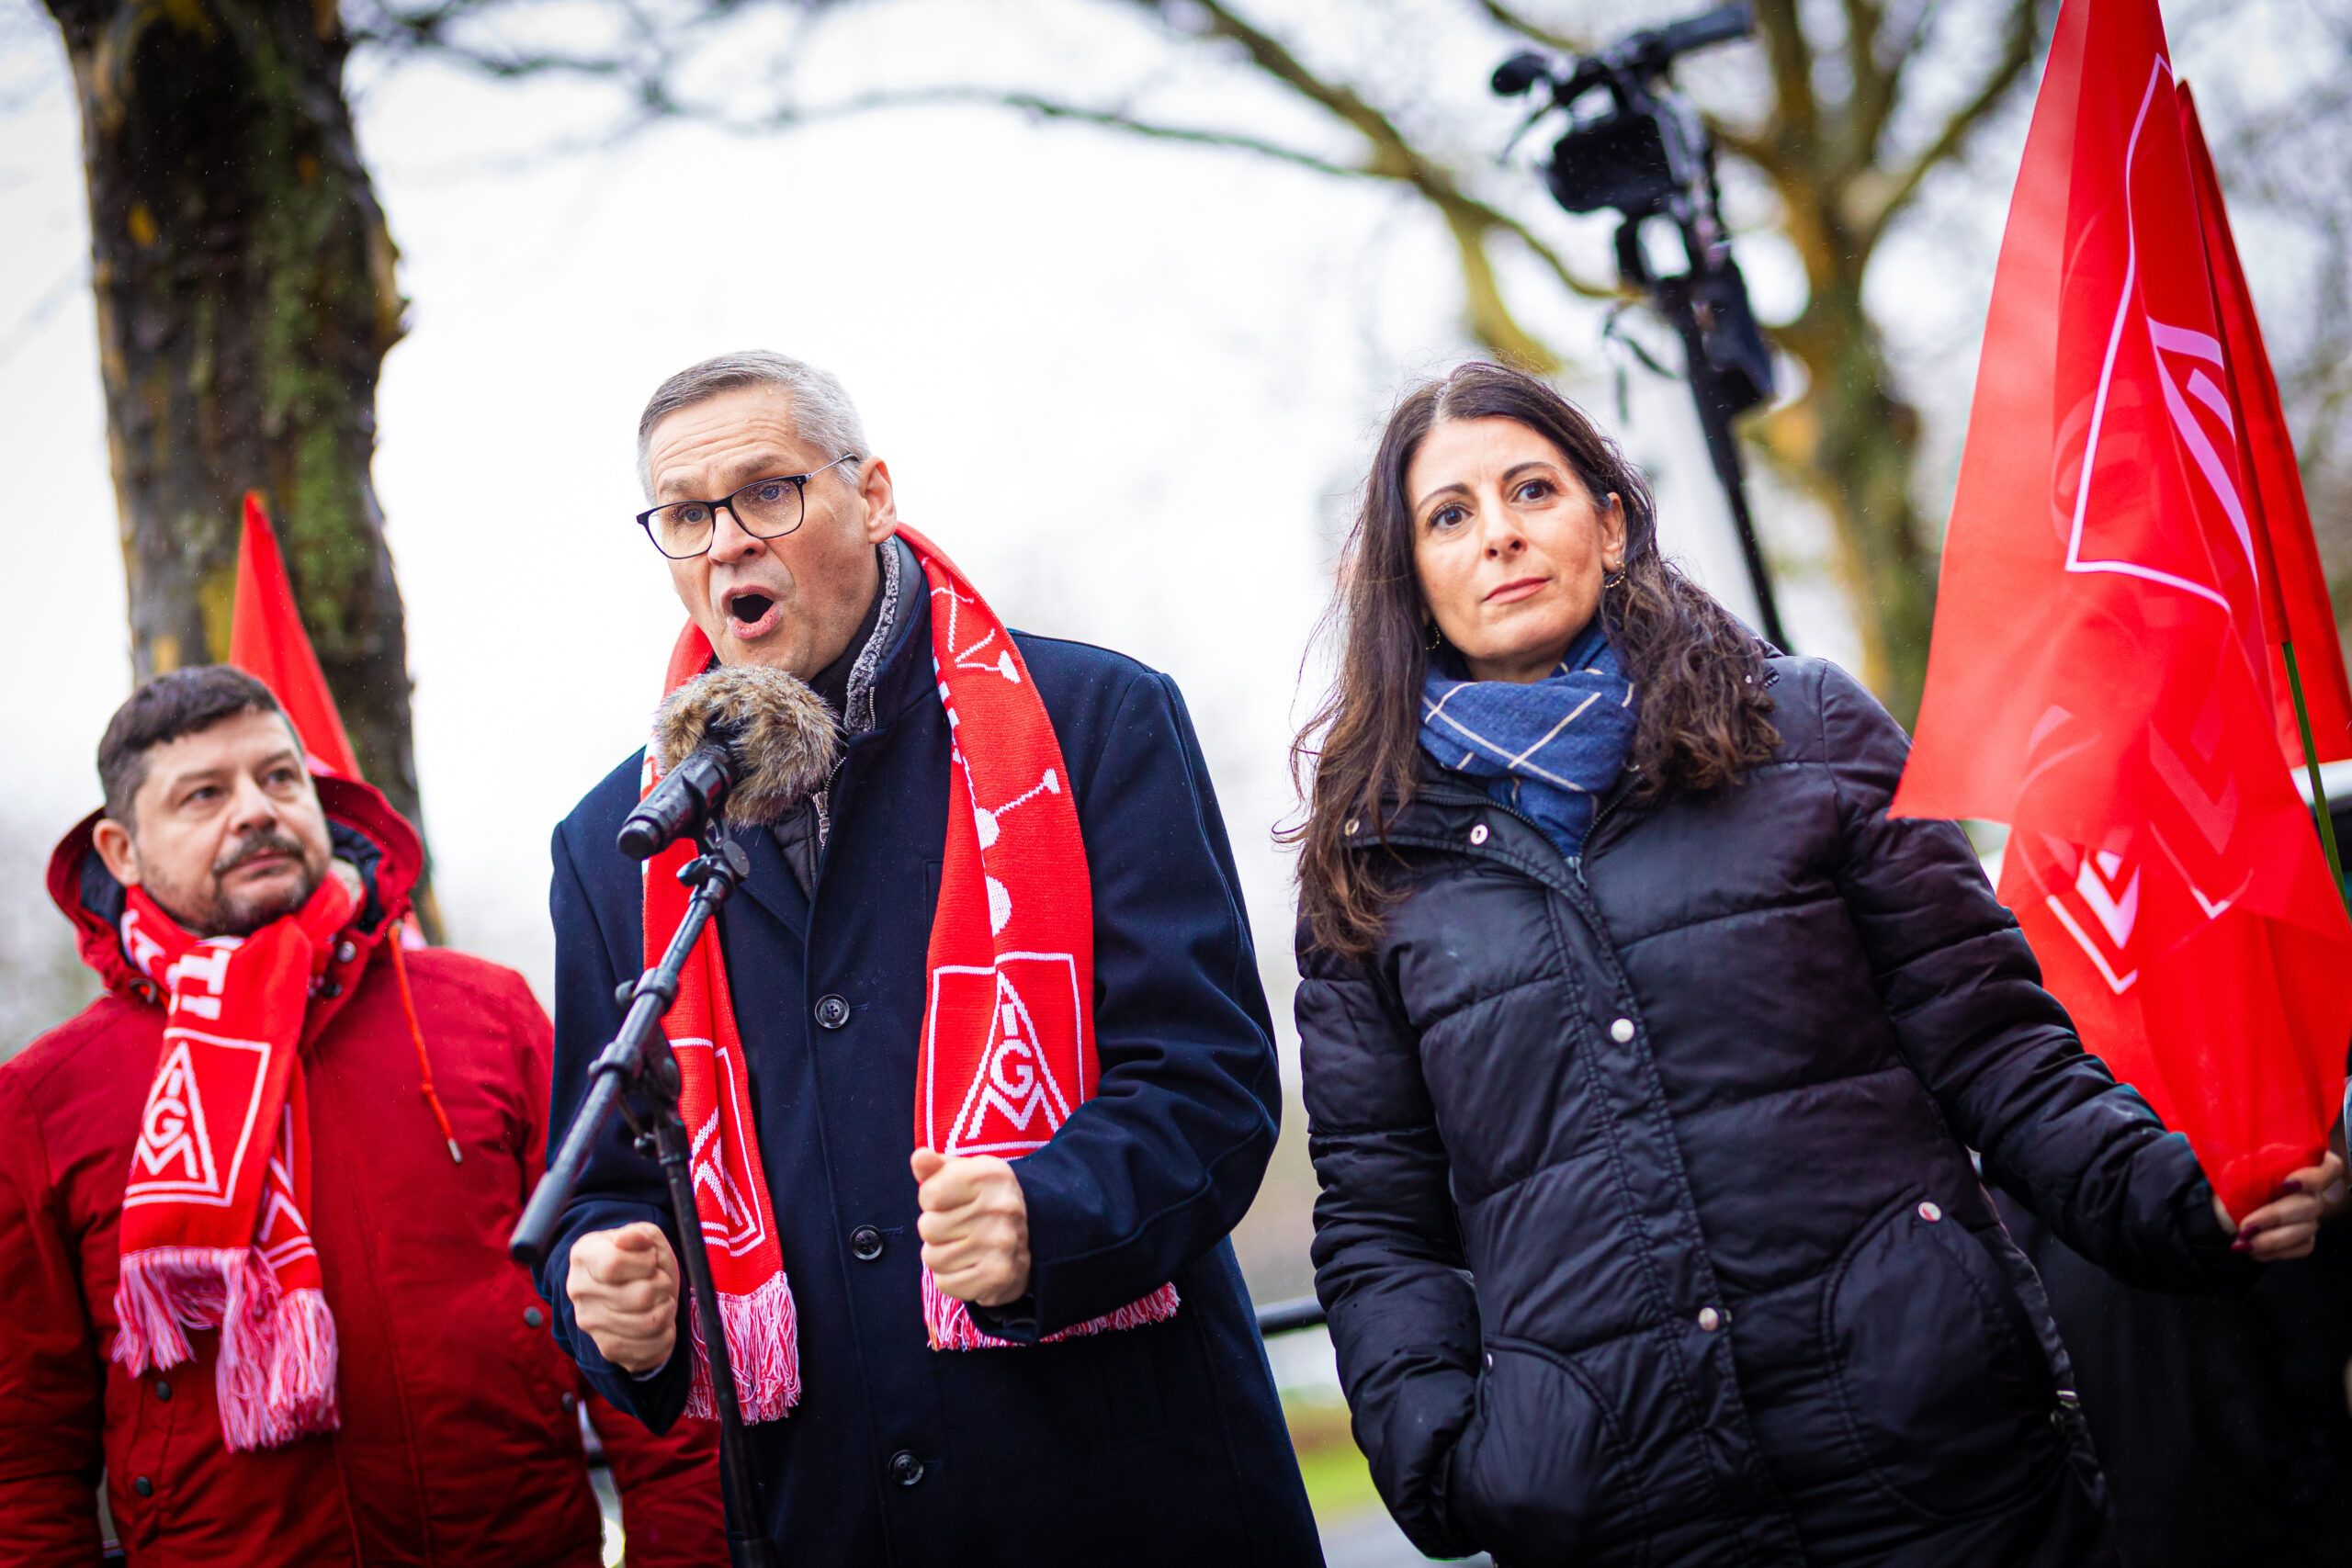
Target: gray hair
x: 822, y: 414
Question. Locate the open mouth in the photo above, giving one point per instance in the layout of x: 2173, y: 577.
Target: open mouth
x: 752, y: 615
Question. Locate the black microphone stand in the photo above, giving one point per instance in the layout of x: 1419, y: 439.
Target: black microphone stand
x: 638, y: 1062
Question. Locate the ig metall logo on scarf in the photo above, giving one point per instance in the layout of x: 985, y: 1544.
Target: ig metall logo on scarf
x: 1007, y: 1035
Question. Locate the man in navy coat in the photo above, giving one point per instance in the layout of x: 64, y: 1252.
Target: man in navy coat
x: 1160, y: 1444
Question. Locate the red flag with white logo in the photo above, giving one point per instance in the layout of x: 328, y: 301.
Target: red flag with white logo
x: 2099, y: 677
x: 268, y: 642
x: 2295, y: 606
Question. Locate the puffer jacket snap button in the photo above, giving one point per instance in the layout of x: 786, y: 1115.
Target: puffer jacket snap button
x: 1621, y: 1031
x: 345, y: 953
x: 1931, y: 1212
x: 1710, y: 1319
x: 1479, y: 834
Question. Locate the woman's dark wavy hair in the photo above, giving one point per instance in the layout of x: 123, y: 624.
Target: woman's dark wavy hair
x: 1698, y: 674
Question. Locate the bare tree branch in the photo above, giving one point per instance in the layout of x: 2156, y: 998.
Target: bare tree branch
x: 1874, y: 85
x: 1534, y: 32
x: 1463, y: 213
x: 1391, y: 154
x: 1761, y: 150
x: 1045, y: 108
x: 1796, y: 110
x: 2020, y: 48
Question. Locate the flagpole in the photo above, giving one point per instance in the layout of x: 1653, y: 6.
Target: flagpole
x: 2310, y: 767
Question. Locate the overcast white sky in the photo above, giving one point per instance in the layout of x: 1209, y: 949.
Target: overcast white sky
x: 1128, y: 387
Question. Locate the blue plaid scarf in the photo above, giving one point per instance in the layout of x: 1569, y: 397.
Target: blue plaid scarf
x: 1548, y: 749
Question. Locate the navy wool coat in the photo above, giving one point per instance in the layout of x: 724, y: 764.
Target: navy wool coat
x: 1159, y: 1445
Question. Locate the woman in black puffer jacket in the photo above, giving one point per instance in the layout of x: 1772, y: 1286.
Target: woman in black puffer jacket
x: 1644, y: 1056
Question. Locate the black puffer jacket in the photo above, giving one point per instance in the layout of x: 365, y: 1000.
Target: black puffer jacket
x: 1649, y: 1232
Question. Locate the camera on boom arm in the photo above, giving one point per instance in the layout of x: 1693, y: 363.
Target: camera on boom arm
x: 1636, y: 147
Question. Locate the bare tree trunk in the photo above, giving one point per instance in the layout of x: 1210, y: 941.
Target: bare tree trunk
x: 245, y: 300
x: 1851, y: 445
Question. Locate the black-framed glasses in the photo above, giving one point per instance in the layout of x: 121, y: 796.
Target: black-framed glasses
x: 766, y: 509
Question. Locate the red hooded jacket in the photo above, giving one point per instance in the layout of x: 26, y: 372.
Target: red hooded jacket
x: 461, y: 1441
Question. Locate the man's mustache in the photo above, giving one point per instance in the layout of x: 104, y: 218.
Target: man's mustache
x: 268, y: 841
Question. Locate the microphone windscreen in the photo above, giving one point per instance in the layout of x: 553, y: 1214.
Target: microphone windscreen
x: 782, y: 735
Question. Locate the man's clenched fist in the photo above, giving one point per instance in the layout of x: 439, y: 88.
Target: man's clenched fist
x: 624, y: 1290
x: 975, y: 1227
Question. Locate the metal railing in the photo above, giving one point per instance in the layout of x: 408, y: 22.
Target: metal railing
x: 1289, y: 1317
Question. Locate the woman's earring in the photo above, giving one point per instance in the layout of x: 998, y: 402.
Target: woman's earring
x: 1612, y: 579
x: 1436, y: 638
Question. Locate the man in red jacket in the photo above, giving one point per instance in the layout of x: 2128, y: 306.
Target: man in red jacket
x: 254, y: 1201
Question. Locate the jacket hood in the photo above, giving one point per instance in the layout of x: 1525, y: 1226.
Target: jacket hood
x: 365, y: 831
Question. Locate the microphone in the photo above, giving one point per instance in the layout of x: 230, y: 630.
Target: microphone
x: 741, y: 743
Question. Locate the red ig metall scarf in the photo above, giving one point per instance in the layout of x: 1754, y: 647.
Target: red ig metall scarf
x: 1007, y: 1051
x: 215, y: 1233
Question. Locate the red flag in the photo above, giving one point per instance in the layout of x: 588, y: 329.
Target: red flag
x: 2100, y: 676
x: 266, y: 641
x: 2295, y: 606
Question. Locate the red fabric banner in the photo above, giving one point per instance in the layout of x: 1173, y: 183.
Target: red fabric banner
x: 2100, y: 676
x: 2295, y: 606
x: 266, y: 641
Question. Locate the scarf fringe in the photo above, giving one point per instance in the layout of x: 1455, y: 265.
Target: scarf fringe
x: 275, y: 1373
x: 762, y: 1346
x: 952, y: 1328
x: 302, y: 1361
x: 162, y: 1289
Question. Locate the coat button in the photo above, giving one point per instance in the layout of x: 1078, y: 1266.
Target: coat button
x: 1710, y: 1319
x: 865, y: 1243
x: 1929, y: 1213
x: 163, y: 1389
x: 831, y: 1011
x: 533, y: 1317
x: 143, y: 1487
x: 345, y: 953
x: 330, y: 989
x: 1621, y: 1031
x: 905, y: 1468
x: 1479, y: 834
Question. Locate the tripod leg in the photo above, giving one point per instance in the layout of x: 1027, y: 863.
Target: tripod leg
x: 742, y: 1487
x: 1723, y: 448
